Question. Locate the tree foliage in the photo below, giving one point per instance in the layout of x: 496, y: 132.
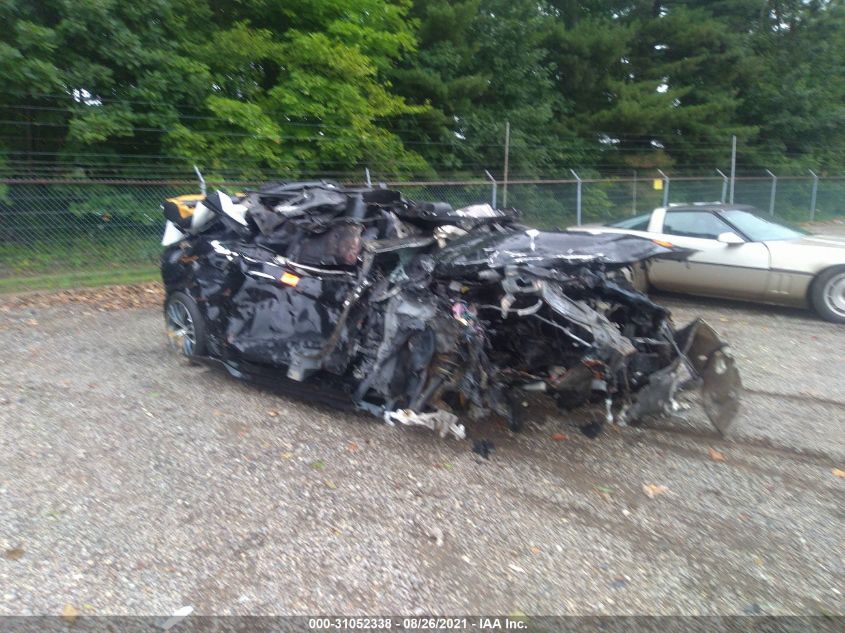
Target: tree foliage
x: 419, y: 87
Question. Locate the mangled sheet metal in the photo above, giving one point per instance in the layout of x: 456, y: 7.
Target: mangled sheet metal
x: 424, y: 314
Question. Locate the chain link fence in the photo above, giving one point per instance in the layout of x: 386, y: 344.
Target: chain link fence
x: 61, y: 233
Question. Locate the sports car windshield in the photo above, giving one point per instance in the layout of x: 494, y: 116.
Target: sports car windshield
x: 759, y: 229
x: 638, y: 223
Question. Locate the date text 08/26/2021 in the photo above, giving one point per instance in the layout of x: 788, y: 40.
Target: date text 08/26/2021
x: 418, y: 623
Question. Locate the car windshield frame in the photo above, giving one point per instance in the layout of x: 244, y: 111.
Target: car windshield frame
x: 756, y: 229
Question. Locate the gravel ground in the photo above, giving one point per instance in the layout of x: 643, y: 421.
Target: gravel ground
x: 132, y: 482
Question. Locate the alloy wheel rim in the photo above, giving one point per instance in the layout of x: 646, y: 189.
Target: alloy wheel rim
x: 180, y: 327
x: 834, y: 294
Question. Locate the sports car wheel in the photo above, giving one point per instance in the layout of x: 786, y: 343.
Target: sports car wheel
x: 828, y: 295
x: 185, y: 325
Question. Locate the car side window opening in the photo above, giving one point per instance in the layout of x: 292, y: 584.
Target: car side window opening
x: 700, y: 224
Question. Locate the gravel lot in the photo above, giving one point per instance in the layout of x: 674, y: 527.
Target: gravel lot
x: 132, y: 482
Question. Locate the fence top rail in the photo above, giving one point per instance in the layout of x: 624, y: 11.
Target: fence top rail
x: 396, y: 183
x: 230, y: 183
x: 98, y: 181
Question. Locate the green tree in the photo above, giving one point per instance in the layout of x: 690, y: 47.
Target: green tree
x: 245, y: 87
x: 798, y: 100
x: 98, y: 76
x: 689, y: 69
x: 481, y: 63
x: 300, y: 87
x: 302, y: 93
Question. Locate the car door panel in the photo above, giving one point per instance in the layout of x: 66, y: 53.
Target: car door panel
x: 715, y: 269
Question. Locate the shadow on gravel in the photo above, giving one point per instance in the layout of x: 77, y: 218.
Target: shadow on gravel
x: 748, y: 308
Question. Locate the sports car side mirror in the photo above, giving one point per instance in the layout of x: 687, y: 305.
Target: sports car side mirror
x: 730, y: 238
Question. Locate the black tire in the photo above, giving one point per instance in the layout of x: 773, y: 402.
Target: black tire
x: 185, y: 325
x: 827, y: 294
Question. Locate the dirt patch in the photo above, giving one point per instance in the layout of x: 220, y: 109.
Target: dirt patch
x: 104, y: 298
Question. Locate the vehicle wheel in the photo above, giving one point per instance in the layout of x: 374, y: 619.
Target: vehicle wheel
x: 828, y: 294
x: 185, y: 325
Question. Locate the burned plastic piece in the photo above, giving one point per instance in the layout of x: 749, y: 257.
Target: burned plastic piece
x: 433, y: 214
x: 340, y: 245
x: 441, y: 422
x: 483, y: 448
x: 592, y: 430
x: 426, y: 315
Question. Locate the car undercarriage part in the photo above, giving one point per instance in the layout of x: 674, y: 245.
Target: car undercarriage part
x: 425, y: 315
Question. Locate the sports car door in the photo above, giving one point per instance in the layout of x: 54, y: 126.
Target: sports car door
x: 720, y: 269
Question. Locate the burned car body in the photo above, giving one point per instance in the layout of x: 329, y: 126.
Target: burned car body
x: 423, y: 314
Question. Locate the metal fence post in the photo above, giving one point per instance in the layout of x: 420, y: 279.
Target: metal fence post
x: 577, y: 198
x: 367, y: 174
x: 493, y: 192
x: 665, y: 188
x: 724, y: 185
x: 507, y: 162
x: 814, y: 194
x: 733, y: 167
x: 774, y: 191
x: 634, y: 201
x: 201, y: 179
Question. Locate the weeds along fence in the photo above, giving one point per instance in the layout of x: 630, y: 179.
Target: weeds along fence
x: 61, y: 233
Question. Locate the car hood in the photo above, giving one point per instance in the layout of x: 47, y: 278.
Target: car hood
x: 809, y: 254
x: 551, y: 249
x: 829, y: 241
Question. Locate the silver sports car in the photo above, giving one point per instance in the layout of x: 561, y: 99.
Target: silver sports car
x: 741, y: 254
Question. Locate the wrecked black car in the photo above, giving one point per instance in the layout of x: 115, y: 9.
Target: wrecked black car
x: 424, y: 314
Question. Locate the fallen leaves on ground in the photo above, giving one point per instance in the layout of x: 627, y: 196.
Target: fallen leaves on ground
x: 15, y: 553
x: 838, y: 472
x: 652, y: 490
x: 103, y: 298
x: 604, y: 492
x: 69, y: 613
x: 318, y: 465
x: 273, y: 414
x: 715, y: 455
x: 558, y: 437
x: 352, y: 447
